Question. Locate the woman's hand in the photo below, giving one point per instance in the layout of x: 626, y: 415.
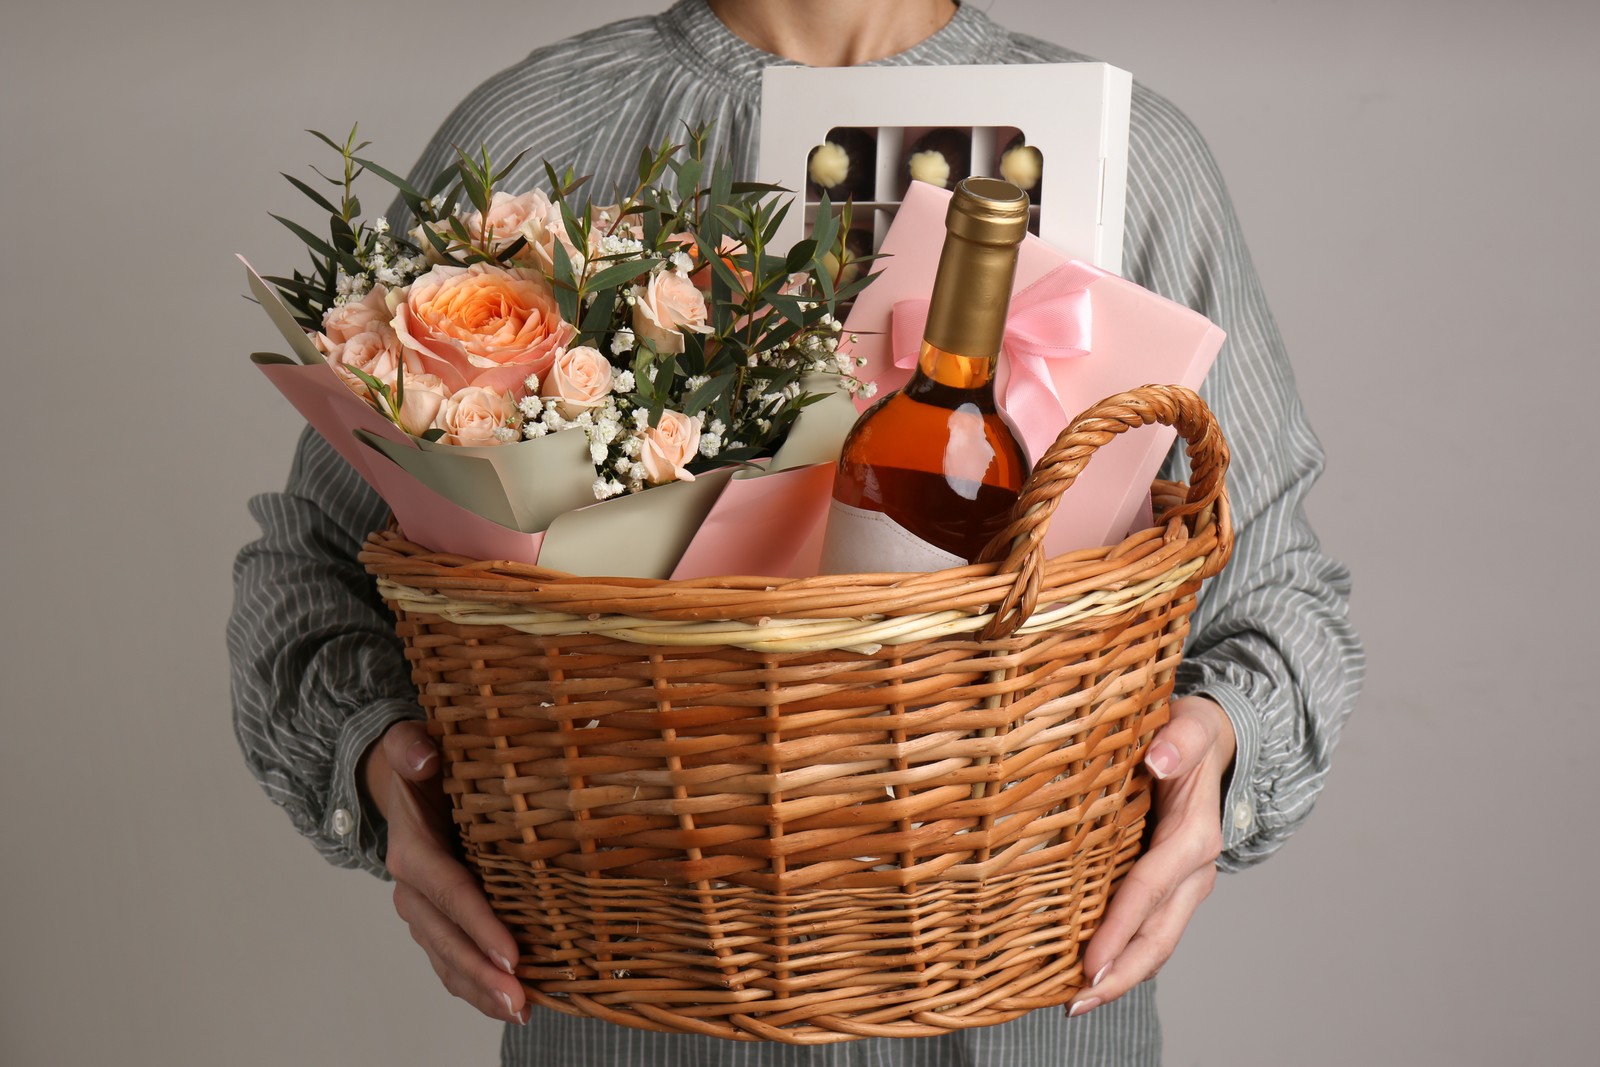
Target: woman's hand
x: 1150, y: 909
x: 470, y: 949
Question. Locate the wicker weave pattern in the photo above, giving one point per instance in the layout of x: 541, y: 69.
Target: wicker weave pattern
x: 812, y: 811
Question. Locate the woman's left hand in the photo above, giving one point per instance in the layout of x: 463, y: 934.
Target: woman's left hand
x: 1148, y: 913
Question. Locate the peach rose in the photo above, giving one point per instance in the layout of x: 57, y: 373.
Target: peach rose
x: 667, y: 447
x: 344, y: 321
x: 424, y: 396
x: 726, y: 250
x: 481, y: 325
x: 472, y: 416
x: 531, y: 215
x: 580, y: 379
x: 664, y: 308
x: 376, y: 352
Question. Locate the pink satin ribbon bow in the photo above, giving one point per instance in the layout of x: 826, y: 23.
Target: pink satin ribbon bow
x: 1048, y: 320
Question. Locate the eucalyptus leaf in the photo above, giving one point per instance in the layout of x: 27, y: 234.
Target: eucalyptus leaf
x: 393, y: 179
x: 316, y: 198
x: 618, y: 273
x: 330, y: 142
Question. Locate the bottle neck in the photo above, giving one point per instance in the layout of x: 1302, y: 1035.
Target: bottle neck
x: 948, y: 379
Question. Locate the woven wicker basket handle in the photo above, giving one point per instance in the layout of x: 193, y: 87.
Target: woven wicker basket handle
x: 1020, y: 546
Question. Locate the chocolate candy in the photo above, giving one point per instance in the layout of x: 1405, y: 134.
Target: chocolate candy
x: 843, y: 166
x: 939, y: 157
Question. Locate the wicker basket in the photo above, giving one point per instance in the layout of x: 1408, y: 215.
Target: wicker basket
x: 811, y: 811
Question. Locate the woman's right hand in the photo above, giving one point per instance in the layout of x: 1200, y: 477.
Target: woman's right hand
x: 449, y: 916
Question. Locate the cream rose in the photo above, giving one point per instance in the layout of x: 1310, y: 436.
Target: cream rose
x: 531, y: 215
x: 377, y: 352
x: 344, y: 321
x: 481, y: 325
x: 579, y: 379
x: 424, y: 396
x: 667, y: 447
x: 664, y: 308
x: 474, y: 415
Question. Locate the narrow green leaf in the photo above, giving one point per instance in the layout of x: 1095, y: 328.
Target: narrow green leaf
x: 392, y: 178
x: 618, y: 273
x: 329, y: 141
x: 509, y: 166
x: 799, y: 257
x: 566, y: 293
x: 316, y: 198
x: 704, y: 393
x: 311, y: 240
x: 378, y: 388
x: 343, y: 237
x: 689, y: 177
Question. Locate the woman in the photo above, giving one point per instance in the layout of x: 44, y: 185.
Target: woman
x: 326, y: 713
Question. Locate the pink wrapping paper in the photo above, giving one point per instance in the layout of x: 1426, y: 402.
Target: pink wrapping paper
x: 769, y: 524
x: 426, y: 517
x: 1134, y: 338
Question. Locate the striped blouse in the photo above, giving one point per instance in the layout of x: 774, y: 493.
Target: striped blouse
x: 318, y: 673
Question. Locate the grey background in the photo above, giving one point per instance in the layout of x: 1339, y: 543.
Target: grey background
x: 1415, y: 181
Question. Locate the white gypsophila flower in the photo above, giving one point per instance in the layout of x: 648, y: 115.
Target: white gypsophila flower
x: 530, y: 407
x: 533, y: 430
x: 390, y: 277
x: 695, y: 381
x: 869, y: 390
x: 380, y: 225
x: 597, y: 450
x: 621, y: 247
x: 650, y: 372
x: 532, y: 383
x: 631, y: 445
x: 605, y: 488
x: 717, y: 426
x: 682, y: 263
x: 505, y: 434
x: 436, y: 205
x: 623, y: 341
x: 710, y: 444
x: 641, y: 418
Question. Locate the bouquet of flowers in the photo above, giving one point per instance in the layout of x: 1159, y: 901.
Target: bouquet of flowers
x: 661, y: 324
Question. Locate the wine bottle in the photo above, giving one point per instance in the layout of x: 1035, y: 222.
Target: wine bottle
x: 929, y: 473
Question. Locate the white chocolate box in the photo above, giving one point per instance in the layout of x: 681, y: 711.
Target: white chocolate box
x: 1076, y: 114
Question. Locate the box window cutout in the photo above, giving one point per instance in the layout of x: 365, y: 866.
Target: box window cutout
x: 873, y: 166
x: 845, y: 166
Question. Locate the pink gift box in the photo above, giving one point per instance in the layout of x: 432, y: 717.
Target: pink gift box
x: 1130, y: 337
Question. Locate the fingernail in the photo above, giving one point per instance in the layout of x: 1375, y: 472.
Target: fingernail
x: 522, y: 1016
x: 503, y: 963
x: 419, y: 754
x: 505, y: 998
x: 1101, y: 973
x: 1162, y: 759
x: 1081, y: 1006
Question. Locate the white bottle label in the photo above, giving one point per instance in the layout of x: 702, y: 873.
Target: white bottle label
x: 859, y: 541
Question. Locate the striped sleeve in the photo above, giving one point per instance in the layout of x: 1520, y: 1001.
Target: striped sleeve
x: 318, y: 672
x: 1271, y: 640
